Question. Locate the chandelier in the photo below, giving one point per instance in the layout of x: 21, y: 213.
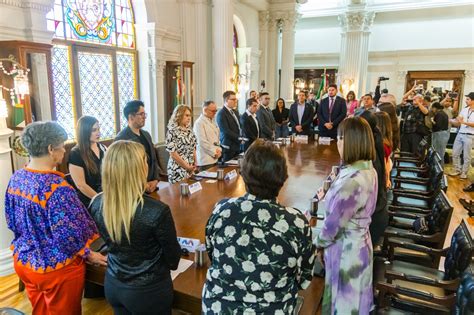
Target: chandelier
x: 20, y: 83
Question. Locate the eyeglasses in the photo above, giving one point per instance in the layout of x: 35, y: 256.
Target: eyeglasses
x: 143, y: 114
x: 212, y: 111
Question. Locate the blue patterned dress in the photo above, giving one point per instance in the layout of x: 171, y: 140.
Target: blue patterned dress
x: 262, y: 254
x: 345, y: 237
x: 50, y: 224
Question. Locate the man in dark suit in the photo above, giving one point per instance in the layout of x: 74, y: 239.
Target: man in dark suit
x: 134, y: 112
x: 228, y: 121
x: 301, y: 116
x: 249, y: 123
x: 265, y: 118
x: 331, y: 112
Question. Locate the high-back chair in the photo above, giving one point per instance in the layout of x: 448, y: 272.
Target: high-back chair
x: 411, y: 282
x: 418, y: 228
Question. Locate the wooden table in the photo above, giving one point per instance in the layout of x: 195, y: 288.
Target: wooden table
x: 308, y: 165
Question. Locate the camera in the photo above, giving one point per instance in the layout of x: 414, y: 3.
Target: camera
x: 383, y: 78
x: 385, y: 91
x: 453, y: 94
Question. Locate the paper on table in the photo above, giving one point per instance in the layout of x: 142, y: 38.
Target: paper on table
x: 232, y: 162
x: 183, y: 265
x: 207, y: 174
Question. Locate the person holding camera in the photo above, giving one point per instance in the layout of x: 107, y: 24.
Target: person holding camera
x: 377, y: 94
x: 464, y: 139
x: 451, y: 105
x: 414, y: 128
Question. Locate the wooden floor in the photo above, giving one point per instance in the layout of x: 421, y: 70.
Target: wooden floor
x: 10, y: 297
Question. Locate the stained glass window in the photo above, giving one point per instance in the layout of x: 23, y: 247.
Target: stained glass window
x: 63, y: 88
x: 93, y: 80
x: 126, y: 81
x: 97, y: 91
x: 108, y: 22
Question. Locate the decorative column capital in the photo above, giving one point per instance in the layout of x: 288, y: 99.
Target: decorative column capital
x: 401, y: 75
x: 360, y: 21
x: 469, y: 74
x: 40, y: 5
x: 288, y: 21
x: 263, y: 20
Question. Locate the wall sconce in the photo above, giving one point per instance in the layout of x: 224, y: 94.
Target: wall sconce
x: 299, y: 85
x: 20, y: 83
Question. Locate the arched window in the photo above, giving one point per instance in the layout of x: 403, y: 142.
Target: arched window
x: 94, y: 62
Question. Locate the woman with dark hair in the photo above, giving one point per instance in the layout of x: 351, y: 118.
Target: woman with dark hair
x: 344, y: 243
x: 51, y: 227
x: 281, y: 115
x: 86, y: 158
x: 261, y: 252
x: 385, y: 126
x: 351, y: 103
x: 380, y: 216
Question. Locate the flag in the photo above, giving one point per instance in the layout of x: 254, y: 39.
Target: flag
x: 322, y: 86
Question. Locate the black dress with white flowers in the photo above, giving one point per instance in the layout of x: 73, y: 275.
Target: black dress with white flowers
x: 182, y: 141
x: 261, y: 255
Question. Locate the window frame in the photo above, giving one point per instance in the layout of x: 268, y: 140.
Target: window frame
x: 74, y: 47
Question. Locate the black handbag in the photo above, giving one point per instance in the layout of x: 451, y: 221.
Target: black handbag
x: 421, y: 129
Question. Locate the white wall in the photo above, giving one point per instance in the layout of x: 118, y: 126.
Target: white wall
x: 318, y: 35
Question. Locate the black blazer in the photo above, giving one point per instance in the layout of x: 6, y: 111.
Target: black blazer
x: 306, y: 120
x: 128, y: 134
x: 339, y: 111
x: 249, y: 129
x: 229, y: 129
x: 153, y: 249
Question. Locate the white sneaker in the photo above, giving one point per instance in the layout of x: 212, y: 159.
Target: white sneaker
x: 463, y: 176
x: 454, y: 173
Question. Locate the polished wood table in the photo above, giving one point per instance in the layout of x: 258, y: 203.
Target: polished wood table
x: 308, y: 165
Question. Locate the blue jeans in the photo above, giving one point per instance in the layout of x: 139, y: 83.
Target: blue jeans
x: 282, y: 131
x: 463, y: 143
x: 439, y: 140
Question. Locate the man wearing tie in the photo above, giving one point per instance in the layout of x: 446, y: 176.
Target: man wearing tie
x: 265, y: 118
x: 228, y: 122
x: 301, y: 115
x: 330, y: 113
x: 249, y: 123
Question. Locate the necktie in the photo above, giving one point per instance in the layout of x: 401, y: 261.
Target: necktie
x: 331, y: 104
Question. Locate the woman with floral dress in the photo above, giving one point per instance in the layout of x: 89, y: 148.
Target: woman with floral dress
x: 181, y: 144
x: 261, y: 252
x: 344, y: 240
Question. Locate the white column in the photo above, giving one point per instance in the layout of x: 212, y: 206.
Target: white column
x: 222, y: 34
x: 354, y: 57
x: 6, y: 236
x: 263, y: 19
x: 288, y: 55
x: 196, y: 47
x: 272, y: 57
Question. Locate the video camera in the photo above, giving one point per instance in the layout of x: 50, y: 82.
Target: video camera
x: 383, y: 78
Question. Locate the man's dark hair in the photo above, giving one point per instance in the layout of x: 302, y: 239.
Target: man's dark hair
x: 437, y: 105
x: 369, y: 95
x: 206, y: 103
x: 333, y: 86
x: 250, y: 101
x: 304, y: 91
x: 264, y: 169
x: 132, y: 107
x: 427, y: 98
x: 263, y: 94
x: 227, y: 94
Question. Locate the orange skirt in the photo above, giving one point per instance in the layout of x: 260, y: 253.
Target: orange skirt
x: 55, y: 292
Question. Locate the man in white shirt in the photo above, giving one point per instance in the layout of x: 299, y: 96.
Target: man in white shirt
x: 464, y: 139
x: 207, y: 135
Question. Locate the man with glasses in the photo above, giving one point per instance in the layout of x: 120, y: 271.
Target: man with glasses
x: 207, y: 135
x: 265, y: 118
x: 229, y: 125
x: 134, y: 112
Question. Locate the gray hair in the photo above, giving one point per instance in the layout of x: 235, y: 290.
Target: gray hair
x: 206, y: 103
x: 38, y: 136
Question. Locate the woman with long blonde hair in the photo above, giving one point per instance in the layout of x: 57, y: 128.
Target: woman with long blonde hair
x: 139, y: 232
x: 181, y: 144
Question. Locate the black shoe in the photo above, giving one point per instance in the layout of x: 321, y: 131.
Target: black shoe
x: 469, y: 188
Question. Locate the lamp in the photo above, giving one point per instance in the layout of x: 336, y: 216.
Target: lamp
x: 20, y: 83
